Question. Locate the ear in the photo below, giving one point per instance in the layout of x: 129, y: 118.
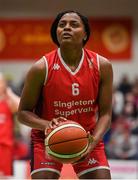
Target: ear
x: 85, y: 38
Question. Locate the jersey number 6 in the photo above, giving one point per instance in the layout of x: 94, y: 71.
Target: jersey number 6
x: 75, y: 89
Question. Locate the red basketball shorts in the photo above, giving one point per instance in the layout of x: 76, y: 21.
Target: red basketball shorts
x: 40, y: 162
x: 96, y: 160
x: 6, y: 160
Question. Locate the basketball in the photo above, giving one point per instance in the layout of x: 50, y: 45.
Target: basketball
x: 67, y: 142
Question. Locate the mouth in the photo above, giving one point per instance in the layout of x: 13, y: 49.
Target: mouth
x: 66, y: 35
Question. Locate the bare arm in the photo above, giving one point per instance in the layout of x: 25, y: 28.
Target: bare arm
x: 13, y: 100
x: 105, y: 100
x: 30, y: 95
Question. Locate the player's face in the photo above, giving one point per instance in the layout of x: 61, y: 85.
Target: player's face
x: 70, y: 29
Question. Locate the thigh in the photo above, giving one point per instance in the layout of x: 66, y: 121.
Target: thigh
x: 95, y: 165
x: 45, y: 175
x: 42, y: 166
x: 6, y: 160
x: 97, y: 174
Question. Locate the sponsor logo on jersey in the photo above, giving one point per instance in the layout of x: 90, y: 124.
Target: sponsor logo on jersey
x: 47, y: 163
x: 73, y: 107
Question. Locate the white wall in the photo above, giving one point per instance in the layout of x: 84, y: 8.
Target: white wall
x: 120, y: 169
x: 94, y: 8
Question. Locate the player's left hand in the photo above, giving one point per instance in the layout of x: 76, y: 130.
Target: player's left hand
x: 89, y: 149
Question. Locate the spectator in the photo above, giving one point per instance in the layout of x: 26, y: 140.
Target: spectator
x: 125, y: 85
x: 8, y: 106
x: 122, y: 144
x: 118, y: 102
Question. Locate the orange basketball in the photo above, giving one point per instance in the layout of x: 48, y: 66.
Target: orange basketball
x: 67, y: 142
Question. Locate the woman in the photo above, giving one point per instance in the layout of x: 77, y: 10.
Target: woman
x: 74, y: 83
x: 9, y: 102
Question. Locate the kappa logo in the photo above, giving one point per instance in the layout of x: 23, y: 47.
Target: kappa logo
x: 92, y: 161
x: 56, y: 67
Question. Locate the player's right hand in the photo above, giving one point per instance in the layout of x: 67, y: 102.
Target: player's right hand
x: 55, y: 122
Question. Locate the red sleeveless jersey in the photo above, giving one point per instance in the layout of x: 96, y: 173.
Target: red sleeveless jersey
x: 71, y: 94
x: 6, y: 124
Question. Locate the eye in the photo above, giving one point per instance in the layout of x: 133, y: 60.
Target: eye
x: 61, y: 24
x: 75, y: 24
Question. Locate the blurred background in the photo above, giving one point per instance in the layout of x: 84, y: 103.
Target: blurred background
x: 25, y: 37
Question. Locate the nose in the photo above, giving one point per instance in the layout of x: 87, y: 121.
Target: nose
x: 67, y: 26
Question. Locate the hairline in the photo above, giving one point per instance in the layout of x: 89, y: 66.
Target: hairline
x: 82, y: 18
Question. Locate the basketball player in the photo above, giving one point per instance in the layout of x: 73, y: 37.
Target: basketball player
x: 73, y: 83
x: 8, y: 106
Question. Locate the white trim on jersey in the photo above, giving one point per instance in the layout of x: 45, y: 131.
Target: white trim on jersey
x: 46, y: 69
x: 67, y: 67
x: 98, y: 63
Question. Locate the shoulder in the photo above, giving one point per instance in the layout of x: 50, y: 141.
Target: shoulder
x: 38, y: 66
x: 105, y: 67
x: 37, y: 70
x: 104, y: 61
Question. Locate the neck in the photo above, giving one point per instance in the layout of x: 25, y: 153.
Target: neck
x: 71, y: 56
